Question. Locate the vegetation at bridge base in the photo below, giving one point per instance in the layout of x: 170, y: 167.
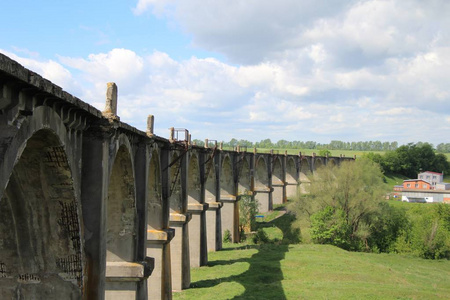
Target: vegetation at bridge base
x: 345, y: 207
x: 342, y: 202
x: 248, y: 209
x: 283, y: 269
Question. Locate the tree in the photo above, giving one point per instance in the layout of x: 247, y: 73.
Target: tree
x: 248, y: 208
x: 410, y: 159
x: 351, y: 193
x: 324, y: 152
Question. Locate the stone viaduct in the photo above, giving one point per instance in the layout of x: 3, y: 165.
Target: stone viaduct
x: 92, y: 208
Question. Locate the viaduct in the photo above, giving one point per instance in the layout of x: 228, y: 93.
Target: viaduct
x: 92, y: 208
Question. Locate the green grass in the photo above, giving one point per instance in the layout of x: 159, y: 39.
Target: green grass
x: 283, y: 270
x: 394, y: 179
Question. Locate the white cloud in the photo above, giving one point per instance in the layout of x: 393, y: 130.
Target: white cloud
x: 295, y: 69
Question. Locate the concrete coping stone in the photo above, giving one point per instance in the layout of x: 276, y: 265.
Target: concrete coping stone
x: 197, y: 207
x: 228, y: 198
x: 292, y: 183
x: 214, y: 205
x: 180, y: 218
x: 162, y: 236
x: 263, y: 190
x: 279, y: 183
x: 129, y: 271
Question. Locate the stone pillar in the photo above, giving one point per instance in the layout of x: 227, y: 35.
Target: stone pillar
x: 158, y: 247
x: 110, y: 111
x: 93, y: 196
x: 214, y: 226
x: 291, y: 189
x: 197, y: 234
x: 179, y: 248
x: 264, y: 198
x: 123, y: 277
x: 230, y: 216
x: 279, y: 192
x: 150, y: 125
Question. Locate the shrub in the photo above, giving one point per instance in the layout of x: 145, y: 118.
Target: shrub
x: 328, y: 226
x: 227, y: 236
x: 248, y: 208
x: 260, y: 237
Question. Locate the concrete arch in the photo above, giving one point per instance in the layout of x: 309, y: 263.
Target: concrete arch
x: 245, y: 178
x: 226, y: 178
x: 291, y: 171
x: 155, y: 220
x: 263, y: 190
x: 194, y: 186
x: 211, y: 182
x: 305, y: 170
x: 43, y: 118
x: 279, y: 192
x: 41, y: 251
x: 304, y: 174
x: 261, y: 174
x: 277, y: 171
x: 318, y: 163
x: 121, y: 206
x: 230, y: 209
x: 331, y: 162
x: 291, y: 178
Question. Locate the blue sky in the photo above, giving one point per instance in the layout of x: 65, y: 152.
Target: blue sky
x: 288, y: 69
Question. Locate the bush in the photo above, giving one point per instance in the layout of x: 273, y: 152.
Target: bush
x: 428, y: 236
x: 386, y: 227
x: 260, y: 237
x: 248, y: 208
x: 227, y: 236
x: 328, y: 226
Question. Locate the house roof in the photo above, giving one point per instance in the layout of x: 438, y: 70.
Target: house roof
x: 414, y: 180
x: 431, y: 172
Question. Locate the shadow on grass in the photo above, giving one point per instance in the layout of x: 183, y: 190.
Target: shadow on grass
x: 263, y: 278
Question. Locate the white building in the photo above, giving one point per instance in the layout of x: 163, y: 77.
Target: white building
x: 432, y: 177
x: 428, y: 196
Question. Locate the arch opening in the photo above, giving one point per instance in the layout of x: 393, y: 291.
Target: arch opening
x: 211, y: 182
x: 277, y: 173
x: 262, y: 179
x: 194, y: 184
x: 226, y: 178
x: 121, y: 209
x: 41, y: 246
x: 291, y: 171
x: 244, y: 178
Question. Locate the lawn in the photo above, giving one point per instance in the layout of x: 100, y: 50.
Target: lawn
x: 282, y: 270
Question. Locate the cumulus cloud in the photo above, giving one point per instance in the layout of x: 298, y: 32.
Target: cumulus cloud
x: 294, y: 69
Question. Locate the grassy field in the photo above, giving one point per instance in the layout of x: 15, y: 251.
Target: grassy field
x: 347, y: 153
x: 283, y: 270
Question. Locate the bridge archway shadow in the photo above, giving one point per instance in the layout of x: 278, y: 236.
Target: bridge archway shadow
x: 263, y: 278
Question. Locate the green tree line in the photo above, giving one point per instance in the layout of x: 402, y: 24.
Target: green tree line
x: 411, y: 159
x: 333, y: 145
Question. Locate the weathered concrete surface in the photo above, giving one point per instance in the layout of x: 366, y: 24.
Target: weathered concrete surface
x: 180, y: 258
x: 158, y: 247
x: 214, y: 226
x: 103, y: 192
